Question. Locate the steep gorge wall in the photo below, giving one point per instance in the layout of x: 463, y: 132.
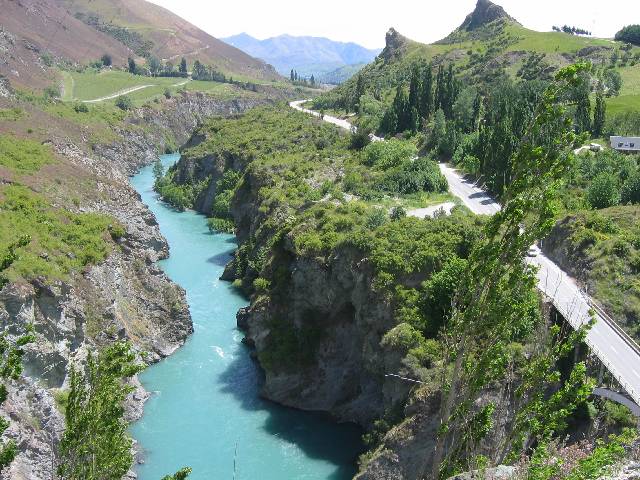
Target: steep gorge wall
x: 124, y: 297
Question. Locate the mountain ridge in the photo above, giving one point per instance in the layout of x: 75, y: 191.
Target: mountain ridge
x: 308, y: 55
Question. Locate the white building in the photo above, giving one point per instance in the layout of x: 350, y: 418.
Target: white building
x: 625, y: 144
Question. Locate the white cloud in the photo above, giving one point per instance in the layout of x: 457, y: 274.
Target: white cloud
x: 366, y: 22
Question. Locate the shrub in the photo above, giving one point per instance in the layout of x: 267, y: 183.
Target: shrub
x: 80, y: 108
x: 385, y: 155
x: 261, y: 285
x: 124, y: 102
x: 603, y: 191
x: 359, y: 139
x: 376, y: 219
x: 220, y: 225
x: 397, y: 213
x: 631, y: 189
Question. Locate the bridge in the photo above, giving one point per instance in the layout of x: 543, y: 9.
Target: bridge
x: 616, y: 350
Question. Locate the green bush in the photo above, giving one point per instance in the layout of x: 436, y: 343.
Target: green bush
x: 261, y: 285
x: 81, y: 108
x: 604, y: 191
x: 124, y: 102
x: 389, y: 154
x: 220, y: 225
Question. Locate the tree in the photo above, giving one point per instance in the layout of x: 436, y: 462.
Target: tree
x: 425, y: 108
x: 496, y: 305
x: 599, y: 114
x: 293, y: 77
x: 155, y: 66
x: 604, y: 191
x: 158, y: 169
x: 312, y: 80
x: 629, y: 34
x: 612, y: 82
x: 183, y: 66
x: 583, y: 114
x: 106, y: 60
x: 359, y: 92
x: 95, y: 444
x: 132, y: 65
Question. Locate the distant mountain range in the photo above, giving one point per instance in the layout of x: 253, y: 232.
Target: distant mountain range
x: 321, y: 57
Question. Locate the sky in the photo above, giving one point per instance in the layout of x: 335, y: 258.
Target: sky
x: 365, y: 22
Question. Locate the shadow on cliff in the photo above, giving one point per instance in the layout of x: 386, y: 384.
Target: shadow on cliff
x: 315, y: 434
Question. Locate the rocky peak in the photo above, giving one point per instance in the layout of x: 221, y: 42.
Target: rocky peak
x: 395, y: 43
x: 484, y: 13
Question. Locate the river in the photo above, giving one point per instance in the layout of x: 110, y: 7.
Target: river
x: 205, y: 411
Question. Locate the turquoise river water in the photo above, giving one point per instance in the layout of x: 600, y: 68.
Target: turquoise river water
x: 205, y: 411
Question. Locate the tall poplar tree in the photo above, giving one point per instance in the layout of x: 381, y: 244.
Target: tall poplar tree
x: 425, y: 107
x: 599, y: 114
x: 496, y: 305
x: 95, y: 444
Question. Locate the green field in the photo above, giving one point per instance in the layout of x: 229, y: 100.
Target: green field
x: 90, y: 85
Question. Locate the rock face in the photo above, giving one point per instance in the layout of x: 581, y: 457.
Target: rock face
x: 395, y: 45
x: 484, y: 13
x: 125, y: 297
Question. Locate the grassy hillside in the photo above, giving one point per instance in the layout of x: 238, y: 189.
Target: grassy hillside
x: 169, y: 37
x: 494, y: 50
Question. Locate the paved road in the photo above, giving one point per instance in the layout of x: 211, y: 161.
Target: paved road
x: 612, y: 348
x: 297, y: 105
x: 620, y: 358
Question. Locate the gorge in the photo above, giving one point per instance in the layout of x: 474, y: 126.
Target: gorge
x: 204, y: 410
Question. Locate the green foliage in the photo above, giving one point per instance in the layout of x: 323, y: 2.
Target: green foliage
x: 604, y: 191
x: 124, y: 102
x: 631, y: 189
x: 95, y: 444
x: 60, y: 241
x: 11, y: 114
x: 220, y: 225
x: 261, y: 285
x: 22, y: 155
x: 385, y: 155
x: 629, y: 34
x: 182, y: 473
x: 496, y: 304
x: 402, y: 337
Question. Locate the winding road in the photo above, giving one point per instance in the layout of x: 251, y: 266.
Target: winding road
x: 618, y: 353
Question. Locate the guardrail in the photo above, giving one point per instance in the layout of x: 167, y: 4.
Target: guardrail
x: 612, y: 323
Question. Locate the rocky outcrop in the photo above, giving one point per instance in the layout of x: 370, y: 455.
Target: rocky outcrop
x: 484, y: 13
x: 395, y: 45
x: 335, y: 301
